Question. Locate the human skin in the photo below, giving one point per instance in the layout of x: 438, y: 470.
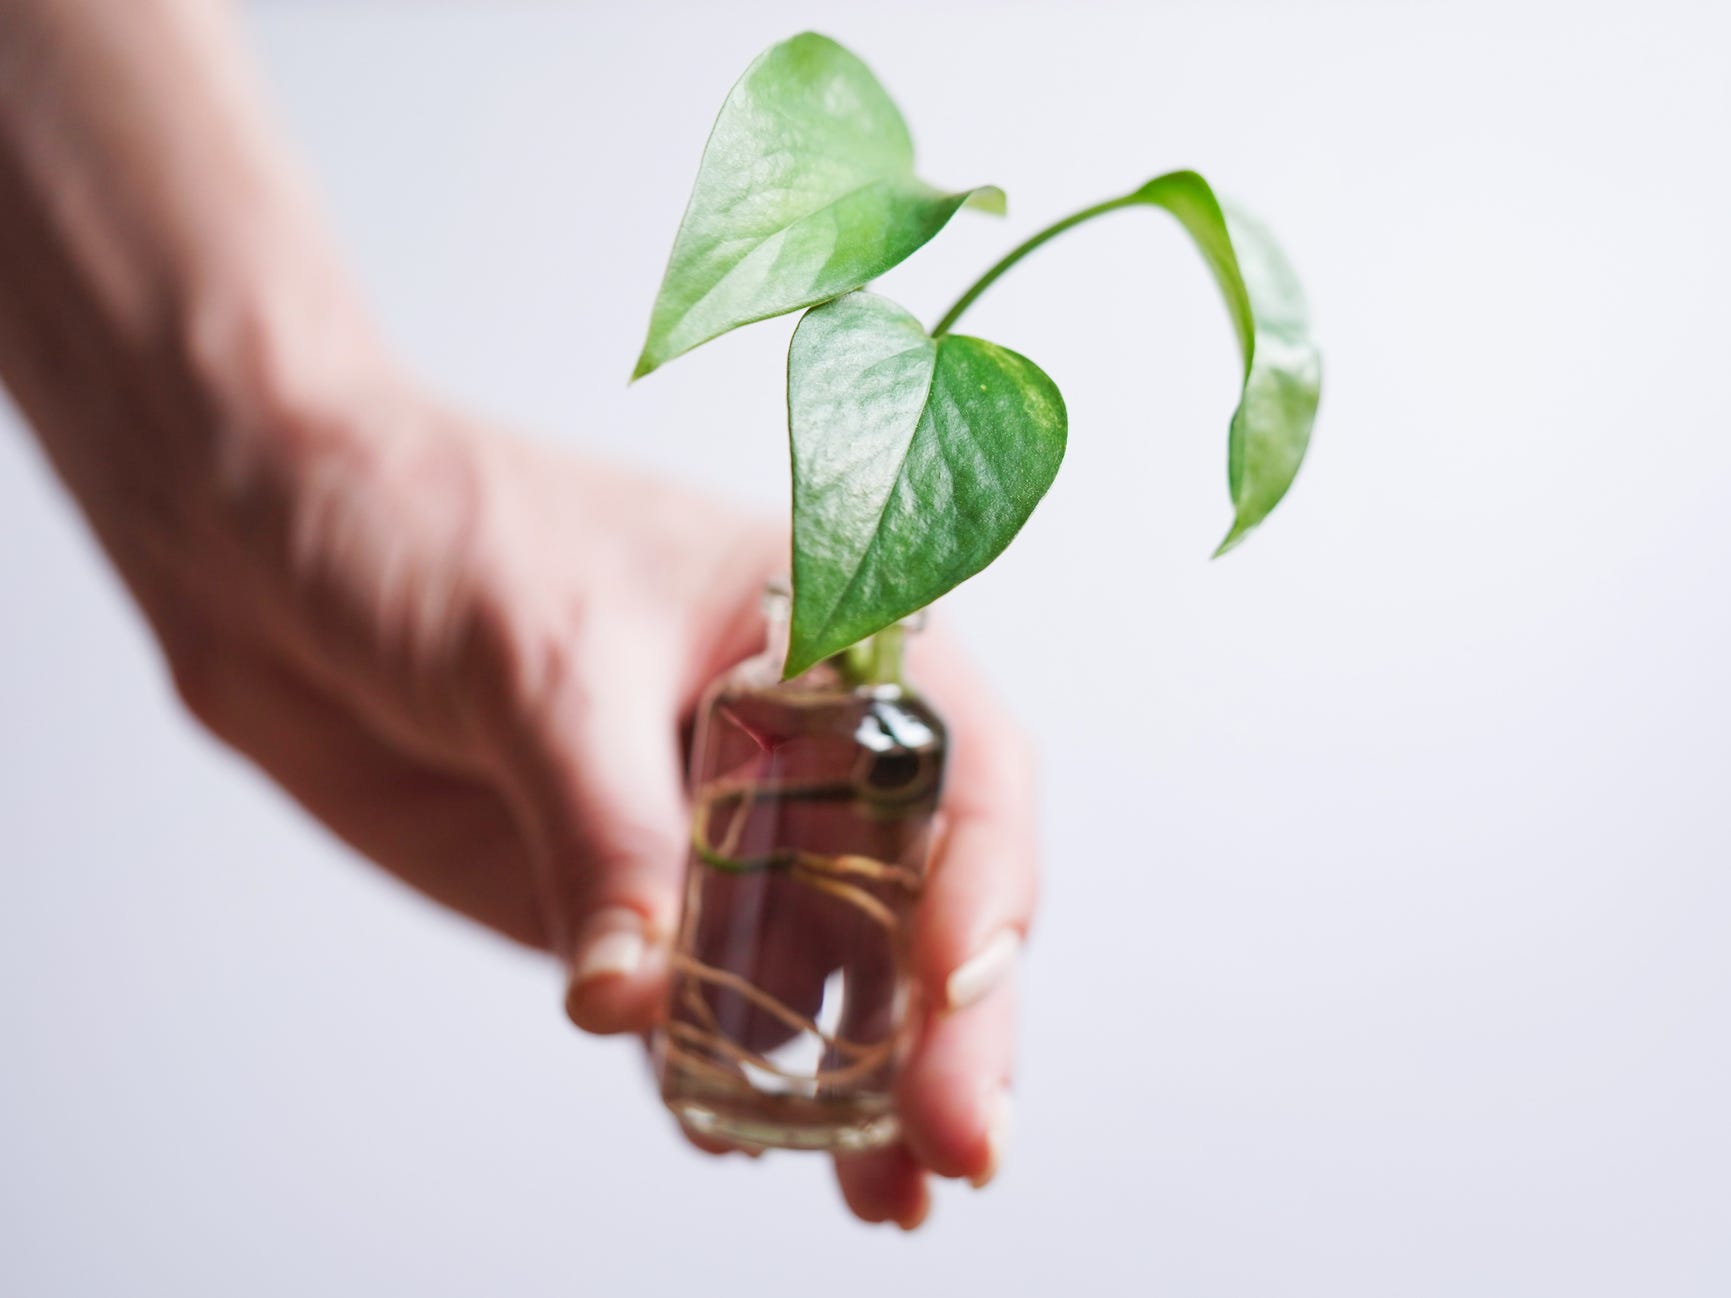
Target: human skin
x: 469, y: 655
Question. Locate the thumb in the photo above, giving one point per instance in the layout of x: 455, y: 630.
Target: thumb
x: 600, y: 774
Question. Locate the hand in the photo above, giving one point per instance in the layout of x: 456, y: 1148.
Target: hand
x: 473, y: 658
x: 469, y: 656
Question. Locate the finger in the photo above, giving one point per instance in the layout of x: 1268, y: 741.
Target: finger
x: 884, y: 1185
x: 979, y: 898
x: 953, y: 1094
x: 598, y: 770
x: 706, y: 1144
x: 719, y: 1148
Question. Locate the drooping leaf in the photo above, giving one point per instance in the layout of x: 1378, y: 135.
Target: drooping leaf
x: 1282, y: 368
x: 806, y: 191
x: 915, y: 461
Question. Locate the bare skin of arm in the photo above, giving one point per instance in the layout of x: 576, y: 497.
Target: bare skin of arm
x: 468, y: 655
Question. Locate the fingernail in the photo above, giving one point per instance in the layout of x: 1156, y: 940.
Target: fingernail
x: 1000, y: 1114
x: 612, y: 947
x: 978, y: 975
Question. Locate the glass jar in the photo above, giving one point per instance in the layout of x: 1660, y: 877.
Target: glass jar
x: 791, y: 1001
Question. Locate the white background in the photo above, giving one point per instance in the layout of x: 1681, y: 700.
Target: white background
x: 1384, y: 947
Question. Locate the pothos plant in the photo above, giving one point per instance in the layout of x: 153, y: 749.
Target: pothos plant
x: 919, y: 454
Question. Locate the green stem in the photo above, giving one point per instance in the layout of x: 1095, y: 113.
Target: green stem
x: 1020, y: 251
x: 876, y: 660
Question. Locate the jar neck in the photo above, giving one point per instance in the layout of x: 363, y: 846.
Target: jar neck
x: 875, y: 660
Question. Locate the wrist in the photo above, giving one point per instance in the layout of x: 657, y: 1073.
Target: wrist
x: 277, y: 369
x: 243, y: 387
x: 173, y: 310
x: 192, y: 455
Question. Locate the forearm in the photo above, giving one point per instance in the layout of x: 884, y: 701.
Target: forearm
x: 170, y: 307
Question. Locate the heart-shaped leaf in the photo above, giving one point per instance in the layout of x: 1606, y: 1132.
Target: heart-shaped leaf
x: 806, y: 191
x: 916, y: 460
x: 1282, y: 368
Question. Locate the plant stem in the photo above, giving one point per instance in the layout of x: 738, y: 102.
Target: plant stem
x: 1021, y: 250
x: 876, y: 660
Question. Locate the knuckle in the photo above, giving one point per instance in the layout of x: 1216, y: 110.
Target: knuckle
x: 623, y: 849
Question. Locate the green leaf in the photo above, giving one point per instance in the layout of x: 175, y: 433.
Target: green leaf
x: 806, y: 191
x: 1282, y: 369
x: 915, y: 461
